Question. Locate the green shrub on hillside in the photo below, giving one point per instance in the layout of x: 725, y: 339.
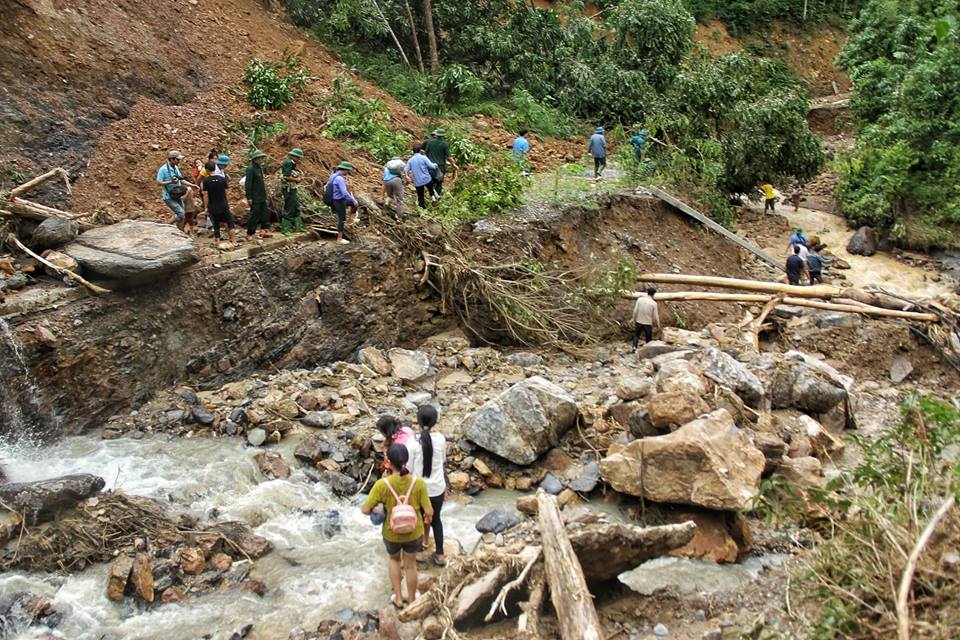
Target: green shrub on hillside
x: 490, y: 188
x: 363, y: 121
x: 902, y: 174
x: 271, y: 85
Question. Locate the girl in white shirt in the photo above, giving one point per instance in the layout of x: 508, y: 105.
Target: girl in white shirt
x: 429, y: 465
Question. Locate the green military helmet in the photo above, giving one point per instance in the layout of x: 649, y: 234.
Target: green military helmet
x: 346, y: 166
x: 296, y: 152
x: 257, y: 154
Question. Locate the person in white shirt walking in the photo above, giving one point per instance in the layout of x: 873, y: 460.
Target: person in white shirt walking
x: 645, y: 317
x: 429, y: 465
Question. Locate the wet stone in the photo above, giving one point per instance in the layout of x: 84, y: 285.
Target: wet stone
x: 257, y: 437
x: 497, y: 521
x: 175, y: 415
x: 239, y: 416
x: 660, y: 630
x: 201, y: 415
x: 188, y: 395
x: 551, y: 485
x: 328, y: 523
x: 588, y: 479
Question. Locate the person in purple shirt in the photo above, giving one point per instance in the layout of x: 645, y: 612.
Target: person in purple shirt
x: 419, y: 167
x: 341, y: 195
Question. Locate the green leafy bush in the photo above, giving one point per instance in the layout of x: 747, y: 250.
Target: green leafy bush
x: 272, y: 85
x: 486, y: 189
x: 902, y: 174
x: 363, y: 122
x: 539, y: 116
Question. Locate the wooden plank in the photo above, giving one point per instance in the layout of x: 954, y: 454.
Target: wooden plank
x: 823, y: 291
x: 715, y: 226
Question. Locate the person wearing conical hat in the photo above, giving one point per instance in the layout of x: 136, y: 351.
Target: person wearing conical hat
x: 255, y: 189
x: 289, y: 178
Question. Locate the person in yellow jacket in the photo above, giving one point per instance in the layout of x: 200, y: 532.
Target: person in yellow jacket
x: 769, y: 197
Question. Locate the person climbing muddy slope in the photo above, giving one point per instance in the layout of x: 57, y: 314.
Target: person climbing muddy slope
x: 404, y: 497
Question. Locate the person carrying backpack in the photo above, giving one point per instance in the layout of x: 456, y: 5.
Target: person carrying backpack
x: 404, y: 497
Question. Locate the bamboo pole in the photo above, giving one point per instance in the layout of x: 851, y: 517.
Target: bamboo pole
x: 817, y: 291
x: 708, y: 296
x: 386, y: 22
x: 66, y: 272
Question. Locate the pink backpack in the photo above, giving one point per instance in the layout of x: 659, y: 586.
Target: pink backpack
x: 403, y: 517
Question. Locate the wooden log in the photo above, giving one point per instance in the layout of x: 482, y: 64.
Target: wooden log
x: 65, y: 272
x: 859, y: 307
x: 35, y: 182
x: 528, y: 623
x: 41, y: 208
x: 816, y: 291
x: 571, y: 599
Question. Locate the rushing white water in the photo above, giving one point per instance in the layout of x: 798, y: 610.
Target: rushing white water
x: 309, y: 577
x: 15, y: 422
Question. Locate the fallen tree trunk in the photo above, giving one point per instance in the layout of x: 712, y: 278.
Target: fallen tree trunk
x: 571, y: 599
x: 708, y: 296
x: 30, y: 184
x: 817, y: 291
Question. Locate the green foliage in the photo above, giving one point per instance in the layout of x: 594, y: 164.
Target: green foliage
x: 539, y: 116
x: 465, y: 150
x: 364, y: 122
x: 610, y: 278
x: 653, y: 36
x: 902, y: 174
x: 255, y: 130
x: 272, y: 85
x: 749, y: 16
x: 490, y: 188
x: 886, y: 501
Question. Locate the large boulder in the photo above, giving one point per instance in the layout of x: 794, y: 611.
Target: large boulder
x: 608, y: 549
x: 42, y: 500
x: 410, y: 366
x: 133, y: 251
x: 863, y: 242
x: 734, y: 375
x: 674, y: 408
x: 524, y: 421
x: 54, y: 232
x: 708, y: 462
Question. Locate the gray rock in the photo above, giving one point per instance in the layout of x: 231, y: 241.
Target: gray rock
x: 44, y: 499
x: 328, y: 523
x: 632, y: 388
x: 636, y: 417
x: 551, y: 485
x: 239, y: 416
x: 588, y: 479
x: 257, y: 437
x: 318, y: 419
x: 700, y: 615
x: 661, y: 630
x: 55, y: 232
x: 524, y: 359
x: 313, y: 449
x: 175, y: 415
x: 793, y: 383
x: 133, y: 251
x: 730, y: 373
x: 900, y: 368
x: 341, y: 484
x: 838, y: 319
x: 863, y: 242
x: 497, y: 521
x: 656, y: 348
x: 524, y: 421
x: 409, y: 366
x: 188, y: 395
x: 15, y: 282
x: 201, y: 415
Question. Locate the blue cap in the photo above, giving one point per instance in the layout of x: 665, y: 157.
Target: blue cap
x: 224, y: 160
x: 599, y: 129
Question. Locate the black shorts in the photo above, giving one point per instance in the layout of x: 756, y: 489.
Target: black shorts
x: 393, y: 548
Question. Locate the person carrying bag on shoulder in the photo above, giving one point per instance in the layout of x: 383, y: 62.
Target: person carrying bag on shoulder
x: 405, y: 498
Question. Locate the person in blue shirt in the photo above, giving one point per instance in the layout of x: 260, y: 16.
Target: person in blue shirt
x: 798, y: 237
x: 393, y: 174
x: 639, y: 143
x: 598, y: 149
x: 341, y: 196
x: 171, y: 182
x: 419, y: 167
x: 521, y: 147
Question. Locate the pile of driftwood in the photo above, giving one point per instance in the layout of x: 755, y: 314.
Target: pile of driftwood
x: 938, y: 321
x: 570, y: 559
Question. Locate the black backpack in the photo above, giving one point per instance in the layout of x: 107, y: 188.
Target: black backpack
x: 328, y: 194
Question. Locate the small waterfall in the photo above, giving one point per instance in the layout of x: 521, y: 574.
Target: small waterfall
x: 22, y: 414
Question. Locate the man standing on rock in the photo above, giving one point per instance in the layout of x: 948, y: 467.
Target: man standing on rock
x: 255, y: 189
x: 598, y: 149
x: 794, y: 266
x: 438, y: 151
x: 290, y: 178
x: 645, y: 317
x: 174, y: 186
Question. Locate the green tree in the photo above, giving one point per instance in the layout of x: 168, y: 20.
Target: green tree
x: 903, y: 174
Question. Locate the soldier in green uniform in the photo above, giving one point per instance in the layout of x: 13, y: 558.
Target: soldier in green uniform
x: 255, y: 190
x: 438, y: 151
x: 289, y: 178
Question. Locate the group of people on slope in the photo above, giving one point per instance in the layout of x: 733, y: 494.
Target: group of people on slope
x: 407, y: 501
x: 801, y: 256
x: 210, y: 182
x: 425, y: 169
